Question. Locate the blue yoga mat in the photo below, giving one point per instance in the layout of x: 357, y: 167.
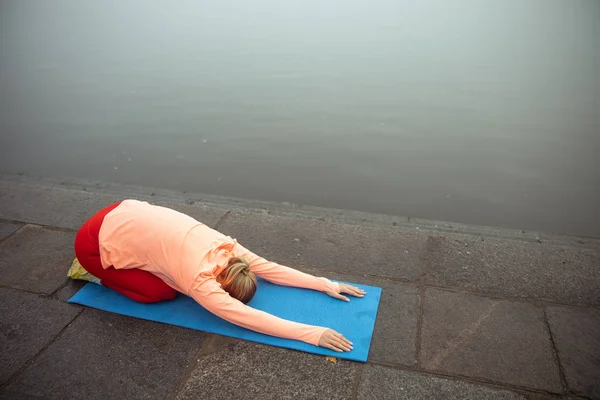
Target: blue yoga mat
x: 355, y: 320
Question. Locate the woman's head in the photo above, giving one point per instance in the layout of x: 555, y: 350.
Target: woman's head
x: 238, y: 280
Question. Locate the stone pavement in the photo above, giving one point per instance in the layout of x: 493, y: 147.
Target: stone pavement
x: 466, y: 312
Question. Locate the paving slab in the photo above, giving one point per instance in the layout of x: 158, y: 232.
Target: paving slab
x: 55, y: 206
x: 109, y: 356
x: 69, y: 208
x: 563, y: 274
x: 549, y: 396
x: 27, y: 323
x: 341, y: 247
x: 498, y: 340
x: 576, y: 333
x: 69, y: 290
x: 7, y: 228
x: 394, y: 336
x: 387, y: 383
x: 244, y: 370
x: 395, y: 333
x: 36, y: 259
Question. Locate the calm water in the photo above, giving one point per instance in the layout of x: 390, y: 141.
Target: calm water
x: 476, y: 111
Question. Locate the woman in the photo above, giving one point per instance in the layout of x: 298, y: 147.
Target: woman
x: 149, y: 253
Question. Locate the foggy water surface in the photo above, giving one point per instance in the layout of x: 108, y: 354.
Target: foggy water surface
x: 475, y: 111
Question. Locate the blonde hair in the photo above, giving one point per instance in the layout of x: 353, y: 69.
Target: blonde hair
x: 238, y: 280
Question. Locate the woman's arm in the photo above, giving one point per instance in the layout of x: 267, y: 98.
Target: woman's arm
x: 282, y: 275
x: 208, y: 294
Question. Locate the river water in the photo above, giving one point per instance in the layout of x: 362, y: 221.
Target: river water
x: 476, y: 111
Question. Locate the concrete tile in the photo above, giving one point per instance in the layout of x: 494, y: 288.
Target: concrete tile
x: 243, y: 370
x: 109, y: 356
x: 498, y: 340
x: 27, y: 323
x: 55, y: 206
x: 72, y: 287
x: 394, y: 336
x: 345, y: 248
x: 69, y: 208
x: 36, y: 259
x: 387, y: 383
x: 576, y: 334
x: 547, y: 396
x: 7, y: 228
x: 542, y: 271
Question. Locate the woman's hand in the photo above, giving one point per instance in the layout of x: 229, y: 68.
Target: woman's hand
x: 335, y: 341
x: 351, y: 290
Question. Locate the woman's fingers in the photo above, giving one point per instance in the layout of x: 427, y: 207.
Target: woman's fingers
x: 342, y: 297
x: 345, y: 342
x: 343, y: 345
x: 331, y: 347
x: 339, y: 345
x: 340, y: 336
x: 338, y: 296
x: 335, y: 341
x: 342, y: 341
x: 331, y: 342
x: 347, y: 289
x: 352, y: 290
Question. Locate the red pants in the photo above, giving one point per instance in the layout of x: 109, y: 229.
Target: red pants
x: 136, y: 284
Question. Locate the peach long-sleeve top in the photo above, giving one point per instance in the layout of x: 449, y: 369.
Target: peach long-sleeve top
x: 188, y: 256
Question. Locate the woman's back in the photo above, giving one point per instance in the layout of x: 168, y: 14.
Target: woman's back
x: 143, y: 236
